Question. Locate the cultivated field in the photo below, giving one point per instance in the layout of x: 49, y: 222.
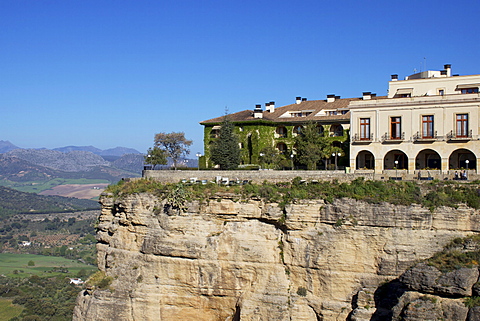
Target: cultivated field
x: 16, y: 265
x: 83, y: 191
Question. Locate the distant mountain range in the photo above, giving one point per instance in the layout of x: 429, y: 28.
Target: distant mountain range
x: 71, y: 162
x: 6, y: 146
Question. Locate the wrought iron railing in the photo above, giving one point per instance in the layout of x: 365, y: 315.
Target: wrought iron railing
x: 359, y: 139
x: 418, y: 136
x: 388, y: 138
x: 453, y: 135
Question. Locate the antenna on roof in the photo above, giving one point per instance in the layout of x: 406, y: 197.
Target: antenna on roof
x: 226, y: 110
x: 425, y: 63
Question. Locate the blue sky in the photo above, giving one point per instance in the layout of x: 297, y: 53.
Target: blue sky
x: 114, y: 73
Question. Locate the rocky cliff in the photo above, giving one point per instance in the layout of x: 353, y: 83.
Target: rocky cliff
x: 226, y: 259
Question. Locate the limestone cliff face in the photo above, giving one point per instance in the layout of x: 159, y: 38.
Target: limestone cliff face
x: 224, y: 259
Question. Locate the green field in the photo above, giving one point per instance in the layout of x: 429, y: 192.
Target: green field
x: 8, y: 310
x: 39, y: 186
x: 16, y: 265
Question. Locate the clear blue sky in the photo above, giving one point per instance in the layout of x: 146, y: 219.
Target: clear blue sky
x: 114, y: 73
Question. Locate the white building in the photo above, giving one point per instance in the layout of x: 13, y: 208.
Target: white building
x: 429, y: 121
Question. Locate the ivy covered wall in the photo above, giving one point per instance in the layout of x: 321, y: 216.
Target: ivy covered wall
x: 255, y: 135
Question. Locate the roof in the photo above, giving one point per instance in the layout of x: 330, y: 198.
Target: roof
x: 313, y: 107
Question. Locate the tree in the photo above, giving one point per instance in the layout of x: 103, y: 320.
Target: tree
x: 270, y: 157
x: 311, y: 146
x: 225, y: 151
x: 174, y: 144
x: 155, y: 156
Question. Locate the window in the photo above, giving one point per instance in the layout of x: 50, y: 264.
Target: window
x: 462, y: 125
x: 395, y: 127
x: 427, y: 126
x: 473, y: 90
x: 364, y: 128
x: 281, y: 132
x: 214, y: 133
x: 282, y: 148
x: 297, y: 130
x: 336, y: 130
x: 441, y: 92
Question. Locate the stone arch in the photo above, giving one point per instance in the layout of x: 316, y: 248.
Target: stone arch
x: 365, y: 159
x: 215, y: 133
x: 297, y: 130
x: 336, y: 130
x: 282, y: 148
x: 321, y: 129
x: 395, y: 155
x: 281, y: 132
x: 337, y: 144
x: 458, y: 159
x: 428, y: 158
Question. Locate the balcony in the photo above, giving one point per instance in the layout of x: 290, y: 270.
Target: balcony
x: 393, y: 139
x: 418, y: 137
x: 453, y: 135
x: 357, y: 139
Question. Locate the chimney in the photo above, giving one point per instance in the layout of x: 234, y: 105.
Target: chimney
x: 304, y: 99
x: 298, y: 100
x: 448, y: 68
x: 373, y: 95
x: 258, y: 112
x: 270, y: 107
x: 331, y: 98
x: 394, y: 77
x: 367, y: 95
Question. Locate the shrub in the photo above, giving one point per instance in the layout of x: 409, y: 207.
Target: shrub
x: 100, y: 280
x: 471, y: 302
x: 302, y: 291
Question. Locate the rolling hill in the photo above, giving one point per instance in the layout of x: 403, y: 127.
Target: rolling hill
x: 16, y: 202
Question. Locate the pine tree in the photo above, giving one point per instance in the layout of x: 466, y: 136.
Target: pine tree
x: 225, y: 150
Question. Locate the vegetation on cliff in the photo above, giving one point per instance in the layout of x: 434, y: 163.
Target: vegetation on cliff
x: 459, y: 253
x: 431, y: 195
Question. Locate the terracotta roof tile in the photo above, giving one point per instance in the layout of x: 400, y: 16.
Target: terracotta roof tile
x: 313, y: 106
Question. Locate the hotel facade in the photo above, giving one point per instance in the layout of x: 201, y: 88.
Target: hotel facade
x: 428, y: 121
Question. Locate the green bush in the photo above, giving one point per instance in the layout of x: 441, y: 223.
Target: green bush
x: 302, y: 291
x: 471, y: 302
x: 430, y: 196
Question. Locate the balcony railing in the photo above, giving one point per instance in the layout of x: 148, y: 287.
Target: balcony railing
x: 419, y: 137
x: 453, y: 135
x: 393, y: 139
x: 358, y: 139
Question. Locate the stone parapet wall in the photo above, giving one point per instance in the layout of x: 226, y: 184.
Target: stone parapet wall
x: 258, y: 176
x: 171, y: 176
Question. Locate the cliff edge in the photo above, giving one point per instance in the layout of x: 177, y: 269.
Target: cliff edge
x: 230, y: 259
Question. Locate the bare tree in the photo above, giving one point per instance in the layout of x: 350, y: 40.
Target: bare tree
x: 174, y: 144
